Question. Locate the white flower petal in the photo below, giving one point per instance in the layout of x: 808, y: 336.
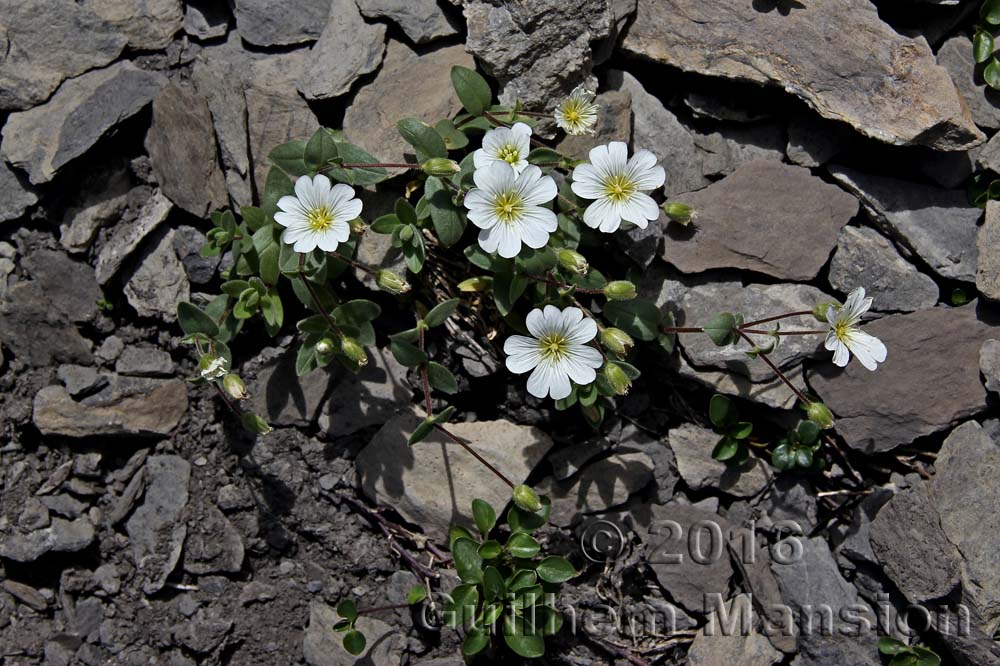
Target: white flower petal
x: 540, y: 380
x: 578, y: 371
x: 602, y: 214
x: 535, y: 321
x: 489, y: 239
x: 840, y: 354
x: 583, y: 331
x: 509, y: 242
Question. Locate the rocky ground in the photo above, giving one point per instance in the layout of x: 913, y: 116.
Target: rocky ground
x: 824, y: 145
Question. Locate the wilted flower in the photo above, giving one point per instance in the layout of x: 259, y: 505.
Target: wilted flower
x: 319, y: 215
x: 507, y: 145
x: 577, y: 114
x: 617, y: 185
x: 212, y: 367
x: 507, y: 208
x: 556, y: 353
x: 846, y: 338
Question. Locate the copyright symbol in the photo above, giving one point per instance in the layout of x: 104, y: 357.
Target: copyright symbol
x: 602, y: 541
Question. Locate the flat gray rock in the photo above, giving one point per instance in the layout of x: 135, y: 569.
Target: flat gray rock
x: 767, y: 217
x: 123, y: 239
x: 148, y: 24
x: 159, y: 282
x: 348, y: 48
x: 421, y: 20
x: 399, y: 91
x: 988, y: 259
x: 61, y: 536
x: 262, y: 24
x: 32, y: 68
x: 85, y: 109
x: 38, y: 334
x: 103, y: 204
x: 878, y: 411
x: 692, y: 446
x: 69, y: 285
x: 182, y: 151
x: 600, y: 486
x: 433, y: 483
x: 773, y: 394
x: 154, y: 529
x: 718, y: 647
x: 937, y: 225
x: 322, y: 646
x: 213, y: 543
x: 885, y: 85
x: 955, y: 55
x: 820, y: 650
x: 204, y: 19
x: 142, y: 361
x: 15, y: 196
x: 989, y: 364
x: 865, y: 258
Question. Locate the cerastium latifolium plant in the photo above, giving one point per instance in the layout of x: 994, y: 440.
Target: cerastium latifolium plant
x: 571, y: 328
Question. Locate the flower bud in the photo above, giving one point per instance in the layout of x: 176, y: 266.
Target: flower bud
x: 620, y: 290
x: 478, y: 283
x: 526, y: 498
x: 324, y: 346
x: 255, y: 424
x: 821, y: 308
x: 678, y: 212
x: 406, y: 233
x: 573, y: 261
x: 617, y: 378
x: 235, y: 387
x: 820, y: 414
x: 390, y: 282
x: 617, y: 341
x: 211, y: 367
x: 358, y: 226
x: 354, y: 351
x: 441, y: 167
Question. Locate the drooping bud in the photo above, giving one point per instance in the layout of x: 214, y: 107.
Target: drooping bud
x: 617, y: 378
x: 441, y: 167
x: 324, y: 346
x: 212, y: 367
x: 620, y: 290
x: 678, y: 212
x: 478, y: 283
x: 821, y: 308
x: 255, y: 424
x: 820, y: 414
x: 358, y: 226
x: 617, y: 341
x: 354, y: 351
x: 235, y: 387
x: 573, y: 261
x: 390, y: 282
x: 526, y: 498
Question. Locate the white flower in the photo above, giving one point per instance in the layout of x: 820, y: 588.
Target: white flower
x: 577, y: 114
x: 617, y: 185
x: 557, y: 352
x: 319, y: 214
x: 846, y: 338
x: 213, y: 369
x: 508, y: 208
x: 508, y: 145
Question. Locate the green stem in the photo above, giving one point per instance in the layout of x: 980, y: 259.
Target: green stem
x: 800, y: 313
x: 757, y: 331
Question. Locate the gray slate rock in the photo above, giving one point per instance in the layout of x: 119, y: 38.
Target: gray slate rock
x: 392, y: 473
x: 124, y: 238
x: 598, y: 487
x: 716, y: 647
x: 32, y: 68
x: 142, y: 361
x: 322, y: 646
x: 181, y: 147
x: 813, y: 142
x: 188, y: 242
x: 907, y: 538
x: 61, y: 536
x: 819, y: 650
x: 988, y: 248
x: 85, y: 108
x: 878, y: 411
x: 349, y: 48
x: 80, y: 380
x: 692, y: 446
x: 937, y: 225
x: 398, y: 91
x: 298, y: 21
x: 989, y: 364
x: 955, y: 55
x: 69, y: 285
x: 422, y: 20
x: 104, y: 201
x: 15, y: 196
x: 213, y: 544
x: 159, y: 282
x: 914, y: 102
x: 156, y: 535
x: 732, y: 145
x: 204, y: 19
x: 767, y: 217
x: 38, y: 334
x: 148, y: 24
x: 773, y: 394
x: 866, y: 258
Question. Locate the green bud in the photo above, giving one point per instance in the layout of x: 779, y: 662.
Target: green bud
x: 255, y: 424
x: 390, y: 282
x: 235, y: 387
x: 354, y: 351
x: 324, y: 346
x: 617, y: 341
x: 820, y: 309
x: 617, y: 378
x: 526, y: 498
x: 358, y: 226
x: 478, y: 283
x: 441, y: 167
x: 820, y: 414
x: 406, y: 233
x: 620, y: 290
x: 212, y: 367
x: 573, y: 261
x: 678, y: 212
x: 250, y: 300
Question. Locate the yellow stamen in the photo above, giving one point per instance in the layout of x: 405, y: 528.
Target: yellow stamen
x: 508, y: 206
x: 553, y: 346
x: 509, y: 153
x: 320, y: 219
x: 619, y: 188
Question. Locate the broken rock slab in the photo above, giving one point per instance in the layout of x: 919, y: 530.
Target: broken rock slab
x: 988, y: 259
x: 148, y: 24
x: 154, y: 529
x: 322, y: 646
x: 433, y: 483
x: 61, y: 536
x: 349, y: 48
x: 421, y: 20
x: 123, y: 238
x: 85, y: 109
x: 600, y: 486
x: 838, y: 57
x: 159, y: 282
x: 989, y: 364
x: 905, y: 399
x: 297, y: 21
x: 15, y: 196
x: 955, y: 55
x: 692, y: 446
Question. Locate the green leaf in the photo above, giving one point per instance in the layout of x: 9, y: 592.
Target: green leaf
x: 464, y: 600
x: 783, y: 457
x: 490, y: 549
x: 507, y: 289
x: 348, y: 609
x: 468, y: 563
x: 475, y: 642
x: 276, y: 186
x: 890, y: 646
x: 638, y: 317
x: 405, y: 212
x: 414, y: 252
x: 356, y: 312
x: 452, y: 136
x: 320, y: 149
x: 522, y: 545
x: 354, y: 642
x: 741, y: 430
x: 194, y: 320
x: 493, y: 584
x: 554, y: 569
x: 536, y: 262
x: 273, y: 311
x: 721, y: 411
x: 990, y: 12
x: 253, y: 216
x: 440, y: 312
x: 484, y: 515
x: 350, y: 154
x: 416, y: 594
x: 425, y: 140
x: 269, y: 270
x: 982, y: 45
x: 722, y: 329
x: 520, y: 520
x: 803, y: 456
x: 407, y: 354
x: 448, y: 218
x: 342, y: 625
x: 528, y: 646
x: 290, y: 158
x: 991, y: 74
x: 808, y: 432
x: 441, y: 378
x: 386, y: 224
x: 521, y: 579
x: 472, y: 89
x: 925, y: 656
x: 725, y: 449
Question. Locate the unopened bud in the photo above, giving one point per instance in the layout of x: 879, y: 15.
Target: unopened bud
x: 354, y: 351
x: 478, y: 283
x: 526, y: 498
x: 678, y: 212
x: 573, y: 261
x: 820, y: 309
x: 820, y: 414
x: 617, y: 378
x: 211, y: 367
x: 406, y: 233
x: 390, y: 282
x: 255, y: 424
x: 358, y: 226
x: 617, y: 341
x: 324, y: 346
x: 235, y: 387
x: 441, y: 167
x: 620, y: 290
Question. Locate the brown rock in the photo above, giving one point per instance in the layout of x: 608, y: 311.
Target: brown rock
x: 147, y: 408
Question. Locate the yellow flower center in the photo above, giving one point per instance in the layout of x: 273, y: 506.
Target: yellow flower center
x: 571, y: 113
x: 841, y: 329
x: 320, y: 219
x: 553, y: 346
x: 508, y: 206
x: 619, y: 188
x: 509, y: 153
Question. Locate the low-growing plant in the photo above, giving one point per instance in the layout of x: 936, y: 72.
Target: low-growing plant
x: 907, y: 655
x: 724, y: 415
x: 354, y: 640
